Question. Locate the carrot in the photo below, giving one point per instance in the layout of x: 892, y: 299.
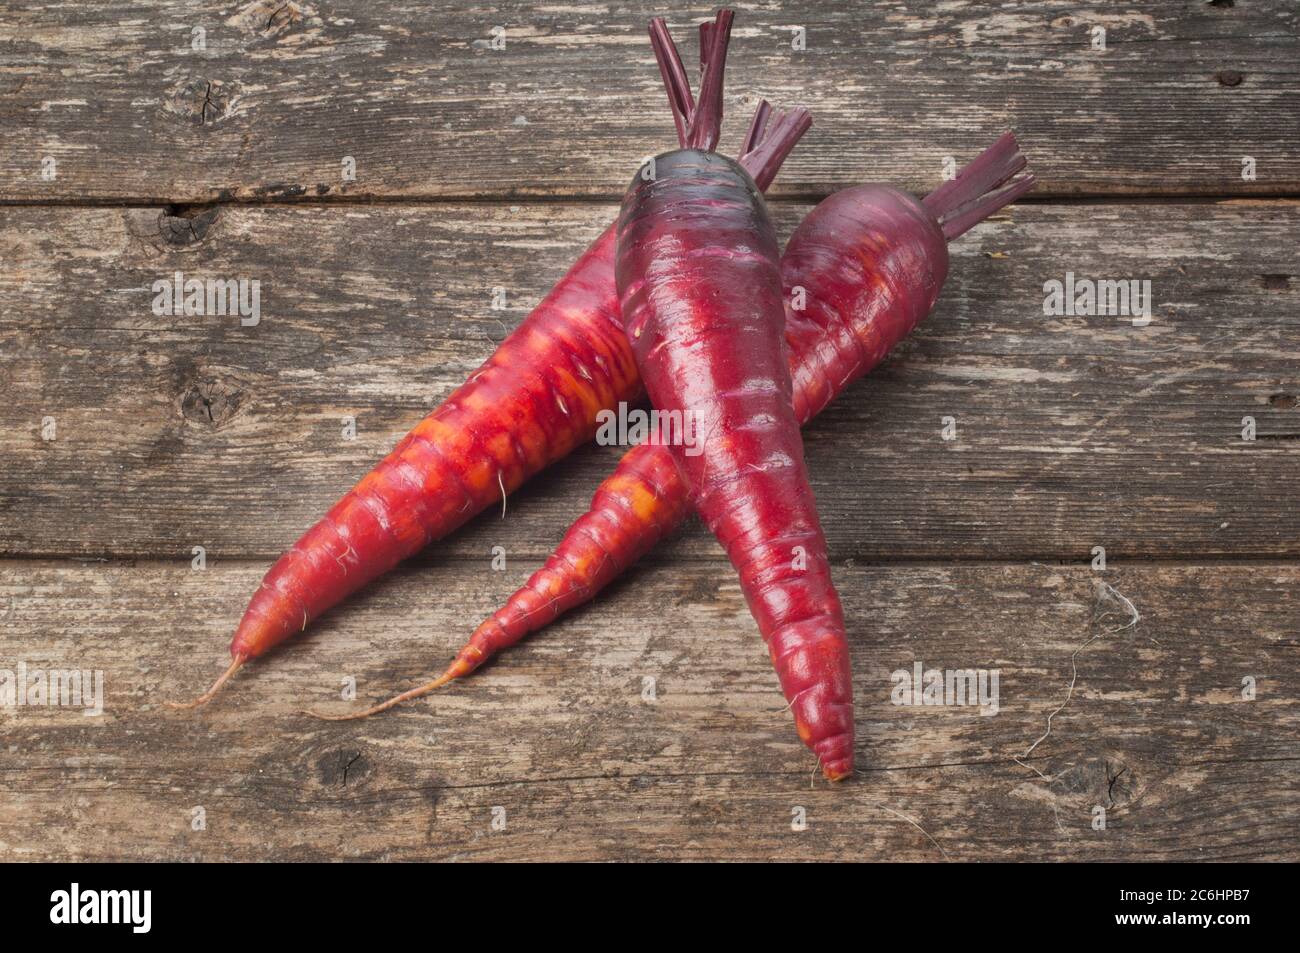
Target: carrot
x: 530, y: 404
x: 870, y: 263
x: 699, y: 280
x: 698, y: 271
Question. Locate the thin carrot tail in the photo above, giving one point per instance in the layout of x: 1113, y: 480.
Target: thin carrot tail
x: 206, y: 697
x: 454, y: 671
x: 632, y: 509
x: 982, y: 187
x: 699, y: 124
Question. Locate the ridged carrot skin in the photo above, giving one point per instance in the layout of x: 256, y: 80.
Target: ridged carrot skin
x: 868, y: 263
x: 699, y: 279
x: 530, y: 404
x: 698, y: 269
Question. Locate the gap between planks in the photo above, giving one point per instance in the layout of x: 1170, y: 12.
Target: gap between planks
x: 458, y: 560
x: 785, y: 198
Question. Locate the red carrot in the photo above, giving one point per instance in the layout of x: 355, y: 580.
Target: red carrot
x: 699, y: 279
x: 869, y: 263
x: 530, y: 404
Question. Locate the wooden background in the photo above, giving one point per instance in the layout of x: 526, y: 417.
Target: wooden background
x: 479, y: 168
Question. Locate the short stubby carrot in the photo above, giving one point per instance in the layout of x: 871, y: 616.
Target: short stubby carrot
x: 867, y: 265
x: 530, y: 404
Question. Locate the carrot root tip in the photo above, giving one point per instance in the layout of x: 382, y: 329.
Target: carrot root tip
x: 836, y: 773
x: 453, y: 672
x: 206, y: 697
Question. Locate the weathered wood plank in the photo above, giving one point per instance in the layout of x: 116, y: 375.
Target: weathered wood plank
x: 557, y: 732
x: 282, y: 92
x: 1072, y: 432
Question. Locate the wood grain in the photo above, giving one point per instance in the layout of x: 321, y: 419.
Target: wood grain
x: 128, y: 154
x: 1072, y: 432
x: 557, y: 732
x: 282, y: 92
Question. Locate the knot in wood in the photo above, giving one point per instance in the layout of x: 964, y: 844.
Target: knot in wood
x: 211, y: 402
x: 201, y: 101
x: 268, y: 17
x: 180, y: 226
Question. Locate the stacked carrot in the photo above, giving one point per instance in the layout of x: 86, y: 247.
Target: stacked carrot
x: 687, y: 294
